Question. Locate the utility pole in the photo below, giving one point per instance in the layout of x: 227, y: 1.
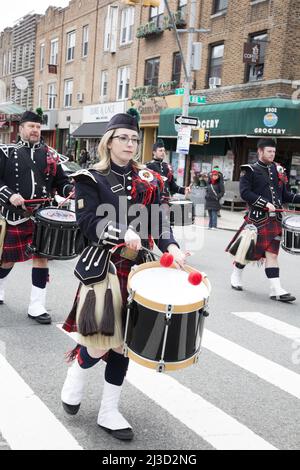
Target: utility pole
x: 187, y: 63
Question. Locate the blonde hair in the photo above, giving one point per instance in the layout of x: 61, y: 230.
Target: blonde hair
x: 104, y: 154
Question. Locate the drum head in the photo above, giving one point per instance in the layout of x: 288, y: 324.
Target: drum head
x: 157, y: 287
x: 54, y: 215
x: 180, y: 203
x: 292, y: 222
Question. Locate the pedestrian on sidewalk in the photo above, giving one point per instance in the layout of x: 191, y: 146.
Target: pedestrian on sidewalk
x: 263, y: 185
x: 214, y: 192
x: 117, y: 177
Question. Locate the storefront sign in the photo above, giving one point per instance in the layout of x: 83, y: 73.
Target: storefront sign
x: 251, y: 53
x: 270, y: 120
x: 102, y: 112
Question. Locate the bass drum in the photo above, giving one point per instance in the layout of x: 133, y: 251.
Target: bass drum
x: 165, y: 317
x: 56, y: 234
x: 291, y: 234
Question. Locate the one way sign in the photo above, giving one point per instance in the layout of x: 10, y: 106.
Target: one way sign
x: 187, y: 121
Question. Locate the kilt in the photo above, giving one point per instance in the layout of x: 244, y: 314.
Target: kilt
x: 268, y: 238
x: 16, y: 240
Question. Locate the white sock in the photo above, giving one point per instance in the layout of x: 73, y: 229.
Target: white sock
x: 275, y: 287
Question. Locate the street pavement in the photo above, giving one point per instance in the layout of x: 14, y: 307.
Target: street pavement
x: 242, y: 394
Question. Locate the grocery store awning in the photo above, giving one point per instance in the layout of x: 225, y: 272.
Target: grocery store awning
x: 276, y: 117
x: 11, y: 108
x: 90, y: 129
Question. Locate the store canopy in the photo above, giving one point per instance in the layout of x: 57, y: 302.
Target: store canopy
x: 11, y: 108
x: 90, y: 129
x: 275, y: 117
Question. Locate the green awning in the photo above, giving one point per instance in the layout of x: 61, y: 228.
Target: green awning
x: 275, y: 117
x: 11, y: 108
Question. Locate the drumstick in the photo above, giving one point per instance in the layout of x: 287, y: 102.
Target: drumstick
x: 67, y: 198
x: 194, y: 277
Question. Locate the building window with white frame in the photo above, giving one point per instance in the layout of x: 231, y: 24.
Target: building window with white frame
x: 123, y: 83
x: 127, y: 25
x: 54, y: 52
x: 51, y: 95
x: 40, y: 96
x: 111, y: 25
x: 156, y: 14
x: 68, y: 93
x: 10, y: 62
x: 220, y: 6
x: 4, y: 66
x: 85, y: 40
x: 71, y: 40
x: 216, y: 61
x: 42, y: 56
x: 104, y: 86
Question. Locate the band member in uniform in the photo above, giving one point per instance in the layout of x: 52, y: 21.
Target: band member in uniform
x: 263, y: 185
x: 166, y: 171
x: 117, y: 177
x: 29, y: 169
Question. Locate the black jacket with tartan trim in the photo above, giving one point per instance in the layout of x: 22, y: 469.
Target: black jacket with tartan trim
x: 166, y: 172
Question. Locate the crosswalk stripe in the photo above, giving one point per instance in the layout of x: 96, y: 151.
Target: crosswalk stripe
x: 267, y: 370
x: 212, y: 424
x: 276, y: 326
x: 25, y: 421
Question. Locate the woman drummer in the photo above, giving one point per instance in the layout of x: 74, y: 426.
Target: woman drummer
x: 117, y: 177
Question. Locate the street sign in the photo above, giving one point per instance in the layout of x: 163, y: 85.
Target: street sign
x: 187, y: 121
x: 197, y: 99
x: 183, y: 139
x: 179, y: 91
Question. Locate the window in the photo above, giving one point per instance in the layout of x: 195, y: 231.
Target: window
x: 40, y: 96
x: 42, y: 56
x: 4, y: 65
x: 123, y: 83
x: 157, y: 14
x: 110, y: 35
x: 127, y: 23
x: 104, y: 85
x: 151, y: 72
x: 71, y: 39
x: 68, y: 93
x: 216, y: 60
x: 8, y: 94
x: 10, y: 62
x: 182, y: 6
x: 176, y: 67
x: 220, y: 5
x: 54, y: 52
x: 256, y: 71
x: 51, y: 95
x: 85, y: 41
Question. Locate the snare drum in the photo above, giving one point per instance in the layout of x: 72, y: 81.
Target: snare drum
x: 291, y: 234
x: 165, y: 317
x: 181, y: 212
x: 56, y: 234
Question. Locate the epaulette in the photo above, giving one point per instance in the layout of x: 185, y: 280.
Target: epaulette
x: 82, y: 174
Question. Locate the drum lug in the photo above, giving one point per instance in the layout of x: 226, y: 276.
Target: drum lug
x: 205, y: 311
x: 161, y: 366
x: 130, y: 297
x: 169, y: 312
x: 125, y: 350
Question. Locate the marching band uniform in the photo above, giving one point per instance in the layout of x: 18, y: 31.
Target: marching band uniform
x: 93, y: 190
x: 166, y: 171
x: 33, y: 171
x: 260, y: 184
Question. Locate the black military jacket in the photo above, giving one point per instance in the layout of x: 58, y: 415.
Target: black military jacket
x: 105, y: 212
x: 16, y: 176
x: 261, y: 184
x: 165, y: 170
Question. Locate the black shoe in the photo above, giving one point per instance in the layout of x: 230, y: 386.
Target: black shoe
x: 1, y: 302
x: 43, y: 319
x: 236, y: 287
x: 121, y: 434
x: 71, y: 409
x: 283, y: 298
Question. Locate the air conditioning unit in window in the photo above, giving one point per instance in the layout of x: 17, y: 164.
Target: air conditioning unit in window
x: 213, y: 82
x: 80, y: 97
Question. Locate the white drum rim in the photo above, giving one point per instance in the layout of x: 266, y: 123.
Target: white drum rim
x: 291, y: 227
x: 183, y: 201
x: 160, y: 307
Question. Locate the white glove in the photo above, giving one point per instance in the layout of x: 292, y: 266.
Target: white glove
x: 132, y: 240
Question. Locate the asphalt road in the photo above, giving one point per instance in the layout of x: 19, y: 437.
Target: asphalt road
x: 242, y: 391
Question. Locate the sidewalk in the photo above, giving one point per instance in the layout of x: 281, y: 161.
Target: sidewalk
x: 228, y: 221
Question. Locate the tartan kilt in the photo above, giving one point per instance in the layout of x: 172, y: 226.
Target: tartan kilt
x: 268, y: 238
x: 17, y: 238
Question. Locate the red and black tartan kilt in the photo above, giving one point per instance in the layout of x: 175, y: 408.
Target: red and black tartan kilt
x: 16, y: 240
x: 267, y: 238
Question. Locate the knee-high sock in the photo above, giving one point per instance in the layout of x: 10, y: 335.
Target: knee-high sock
x: 116, y: 368
x: 85, y: 360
